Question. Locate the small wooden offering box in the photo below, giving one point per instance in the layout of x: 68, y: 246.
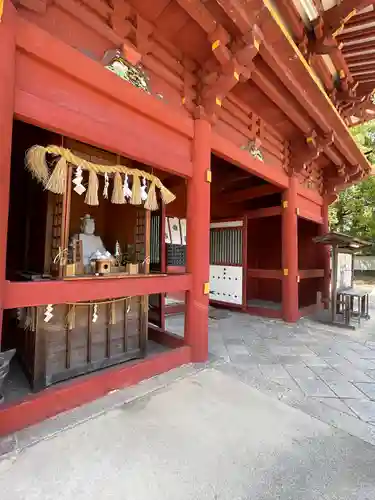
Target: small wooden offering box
x: 103, y: 266
x: 132, y: 268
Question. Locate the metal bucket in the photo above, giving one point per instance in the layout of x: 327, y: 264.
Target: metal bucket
x: 5, y: 358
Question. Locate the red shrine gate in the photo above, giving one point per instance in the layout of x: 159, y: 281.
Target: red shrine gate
x: 228, y: 116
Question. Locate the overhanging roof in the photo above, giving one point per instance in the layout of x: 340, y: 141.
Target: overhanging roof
x: 342, y: 241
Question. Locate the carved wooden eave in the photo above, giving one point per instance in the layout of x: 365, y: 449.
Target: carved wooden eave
x: 206, y: 88
x: 306, y: 151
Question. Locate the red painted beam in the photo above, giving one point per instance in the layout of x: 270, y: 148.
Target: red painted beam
x: 292, y: 17
x: 38, y: 43
x: 251, y: 193
x: 111, y: 135
x: 357, y: 35
x: 360, y: 19
x: 309, y: 209
x: 311, y: 216
x: 77, y: 392
x: 278, y: 94
x: 269, y: 274
x: 60, y: 292
x: 309, y: 194
x: 337, y: 16
x: 319, y: 66
x: 368, y: 66
x: 348, y: 50
x: 263, y: 212
x: 233, y: 154
x: 310, y: 273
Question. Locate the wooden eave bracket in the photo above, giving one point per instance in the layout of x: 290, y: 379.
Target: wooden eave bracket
x: 235, y: 65
x: 309, y: 150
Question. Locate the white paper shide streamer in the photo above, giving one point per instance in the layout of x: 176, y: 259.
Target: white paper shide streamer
x: 78, y: 178
x: 127, y: 190
x: 95, y: 313
x: 48, y: 313
x: 143, y: 190
x: 106, y: 186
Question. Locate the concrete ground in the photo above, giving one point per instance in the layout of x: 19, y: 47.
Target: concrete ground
x: 280, y: 412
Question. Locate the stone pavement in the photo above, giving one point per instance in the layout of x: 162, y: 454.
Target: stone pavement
x: 325, y: 371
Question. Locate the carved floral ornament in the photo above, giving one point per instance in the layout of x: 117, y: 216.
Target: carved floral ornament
x: 253, y: 147
x: 133, y: 74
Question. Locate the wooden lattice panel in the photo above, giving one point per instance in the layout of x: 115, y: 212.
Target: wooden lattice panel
x: 57, y: 232
x: 140, y: 235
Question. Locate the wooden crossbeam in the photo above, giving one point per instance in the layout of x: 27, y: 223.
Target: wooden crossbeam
x: 361, y: 18
x: 265, y: 80
x: 293, y: 19
x: 370, y: 64
x: 336, y: 17
x: 349, y: 51
x: 355, y: 35
x: 237, y: 13
x: 199, y: 13
x: 251, y: 193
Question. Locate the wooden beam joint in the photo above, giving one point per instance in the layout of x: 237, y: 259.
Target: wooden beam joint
x: 304, y: 153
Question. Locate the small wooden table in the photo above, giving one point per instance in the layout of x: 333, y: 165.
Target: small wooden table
x: 347, y: 297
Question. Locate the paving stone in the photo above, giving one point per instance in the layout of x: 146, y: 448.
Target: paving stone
x: 336, y: 404
x: 367, y: 388
x: 314, y: 387
x: 347, y: 423
x: 325, y: 372
x: 275, y: 371
x: 306, y: 363
x: 365, y: 409
x: 345, y: 390
x: 300, y: 371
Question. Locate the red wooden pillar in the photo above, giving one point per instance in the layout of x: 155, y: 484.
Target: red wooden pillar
x: 326, y: 256
x: 290, y: 252
x: 7, y: 83
x: 198, y: 243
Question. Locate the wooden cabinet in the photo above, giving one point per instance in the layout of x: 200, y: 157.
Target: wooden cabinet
x: 73, y: 344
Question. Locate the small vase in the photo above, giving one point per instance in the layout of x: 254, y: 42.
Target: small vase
x: 5, y: 358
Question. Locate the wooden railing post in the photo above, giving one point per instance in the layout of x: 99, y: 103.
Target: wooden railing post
x: 7, y: 85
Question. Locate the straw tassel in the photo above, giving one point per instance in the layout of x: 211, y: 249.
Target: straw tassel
x: 36, y: 163
x: 117, y: 193
x: 71, y: 318
x: 92, y: 192
x: 136, y: 191
x: 152, y: 202
x: 166, y: 195
x: 57, y: 182
x: 112, y: 313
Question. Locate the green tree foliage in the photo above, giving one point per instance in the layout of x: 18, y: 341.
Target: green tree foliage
x: 354, y: 211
